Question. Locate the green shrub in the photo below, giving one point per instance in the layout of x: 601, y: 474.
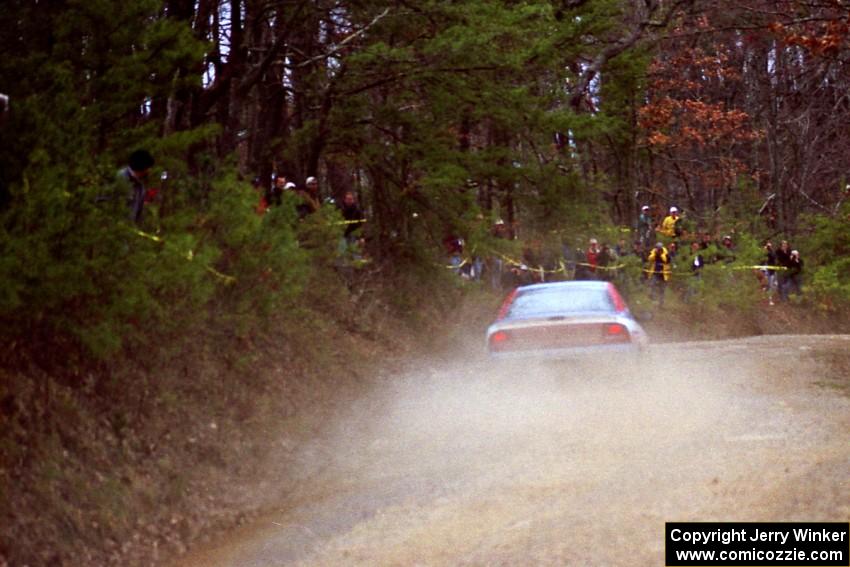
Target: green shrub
x: 826, y: 255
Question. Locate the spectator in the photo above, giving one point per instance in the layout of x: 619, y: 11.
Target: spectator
x: 519, y: 275
x: 726, y: 253
x: 770, y: 278
x: 532, y: 256
x: 500, y: 230
x: 559, y: 141
x: 153, y: 192
x: 352, y: 215
x: 697, y: 261
x: 795, y: 274
x: 4, y: 109
x: 592, y: 257
x: 604, y: 260
x: 783, y: 253
x: 132, y: 180
x: 639, y: 250
x: 672, y: 255
x: 659, y: 269
x: 351, y: 243
x: 697, y: 264
x: 670, y: 226
x: 310, y: 200
x: 495, y: 264
x: 644, y: 226
x: 672, y: 251
x: 621, y: 249
x: 312, y: 185
x: 275, y: 193
x: 454, y: 249
x: 262, y: 204
x: 5, y: 196
x: 582, y: 271
x: 783, y: 259
x: 568, y: 258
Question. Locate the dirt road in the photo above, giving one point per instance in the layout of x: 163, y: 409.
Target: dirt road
x: 460, y: 464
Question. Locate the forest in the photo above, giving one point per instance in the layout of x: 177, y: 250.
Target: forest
x: 560, y: 118
x: 549, y: 115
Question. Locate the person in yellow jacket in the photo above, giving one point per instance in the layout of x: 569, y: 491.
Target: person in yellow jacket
x: 668, y: 225
x: 659, y: 272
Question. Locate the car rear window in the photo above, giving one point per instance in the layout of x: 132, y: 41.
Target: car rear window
x: 552, y: 301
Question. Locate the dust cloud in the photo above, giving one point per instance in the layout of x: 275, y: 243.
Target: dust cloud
x: 462, y: 461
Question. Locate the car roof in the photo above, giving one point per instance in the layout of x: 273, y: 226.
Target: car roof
x: 538, y: 300
x: 584, y: 284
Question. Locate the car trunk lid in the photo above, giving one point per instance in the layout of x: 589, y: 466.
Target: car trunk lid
x: 557, y: 332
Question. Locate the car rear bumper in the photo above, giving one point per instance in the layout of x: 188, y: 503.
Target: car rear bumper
x: 567, y: 353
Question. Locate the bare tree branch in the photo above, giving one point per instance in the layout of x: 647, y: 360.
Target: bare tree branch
x: 637, y: 32
x: 338, y: 47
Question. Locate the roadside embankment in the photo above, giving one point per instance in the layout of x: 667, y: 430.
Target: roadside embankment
x: 134, y: 462
x: 130, y: 462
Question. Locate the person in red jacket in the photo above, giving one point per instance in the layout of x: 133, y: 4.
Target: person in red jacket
x: 592, y: 255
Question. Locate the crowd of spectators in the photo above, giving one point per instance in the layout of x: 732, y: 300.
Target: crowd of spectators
x: 130, y: 192
x: 666, y: 250
x: 309, y: 200
x: 780, y: 273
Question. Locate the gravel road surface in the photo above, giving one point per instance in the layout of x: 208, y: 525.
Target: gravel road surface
x: 468, y: 464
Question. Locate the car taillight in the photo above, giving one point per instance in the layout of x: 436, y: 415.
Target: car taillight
x: 506, y: 304
x: 616, y: 299
x: 616, y: 333
x: 498, y: 340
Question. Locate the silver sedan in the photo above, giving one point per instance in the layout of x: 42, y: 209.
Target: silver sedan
x: 564, y: 319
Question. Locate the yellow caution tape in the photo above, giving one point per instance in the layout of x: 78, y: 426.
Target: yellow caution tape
x: 189, y: 256
x: 464, y: 262
x: 722, y: 266
x: 759, y: 268
x: 227, y: 279
x: 670, y: 273
x: 598, y: 267
x: 147, y: 235
x: 562, y: 267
